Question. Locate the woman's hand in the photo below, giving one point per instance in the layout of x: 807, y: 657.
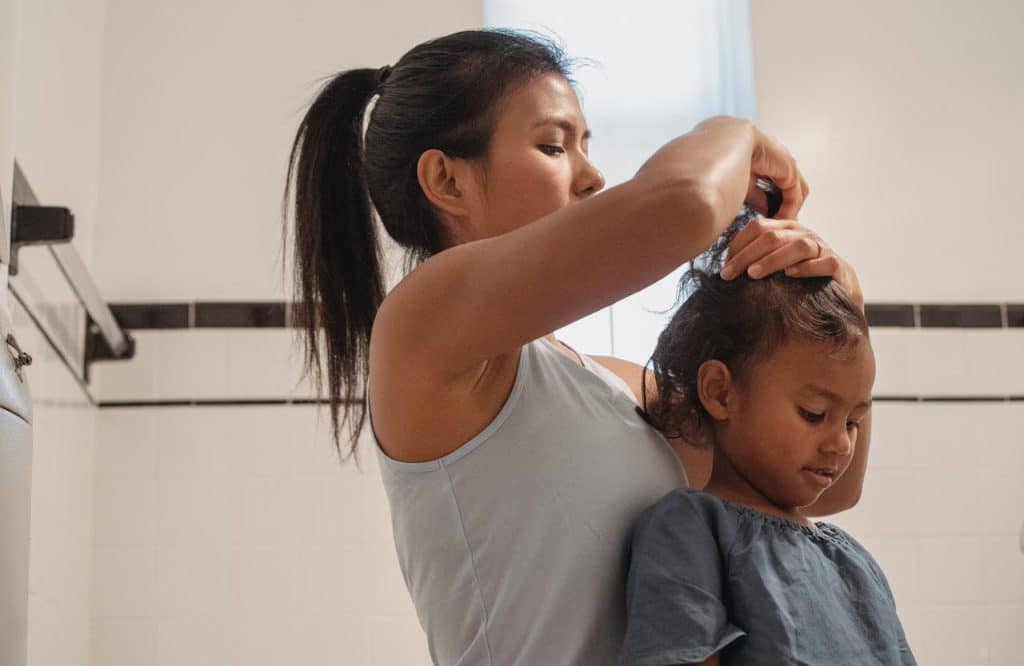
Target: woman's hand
x: 765, y: 246
x: 758, y: 156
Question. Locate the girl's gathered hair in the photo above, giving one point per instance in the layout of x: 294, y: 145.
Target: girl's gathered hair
x: 445, y: 93
x: 738, y: 322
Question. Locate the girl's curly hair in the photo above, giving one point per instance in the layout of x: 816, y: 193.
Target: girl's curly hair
x: 738, y: 322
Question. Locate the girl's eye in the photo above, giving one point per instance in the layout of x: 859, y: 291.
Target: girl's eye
x: 552, y: 150
x: 850, y: 425
x: 811, y: 416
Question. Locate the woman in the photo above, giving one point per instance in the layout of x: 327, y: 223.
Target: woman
x: 513, y: 466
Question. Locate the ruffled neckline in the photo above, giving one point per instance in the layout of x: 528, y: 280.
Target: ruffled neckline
x: 821, y: 530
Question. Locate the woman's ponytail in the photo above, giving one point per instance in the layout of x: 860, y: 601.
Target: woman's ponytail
x: 443, y: 94
x: 338, y: 283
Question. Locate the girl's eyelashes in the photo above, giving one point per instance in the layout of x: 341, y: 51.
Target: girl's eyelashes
x: 810, y: 417
x: 554, y: 150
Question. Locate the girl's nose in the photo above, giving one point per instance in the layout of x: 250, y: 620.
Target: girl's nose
x: 839, y: 442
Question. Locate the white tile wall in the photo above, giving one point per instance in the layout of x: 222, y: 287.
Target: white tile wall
x: 942, y: 510
x: 241, y: 519
x: 260, y: 548
x: 256, y: 363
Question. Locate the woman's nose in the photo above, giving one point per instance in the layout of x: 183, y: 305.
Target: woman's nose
x: 591, y: 180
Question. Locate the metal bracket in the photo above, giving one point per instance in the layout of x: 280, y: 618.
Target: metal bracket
x: 32, y: 224
x: 39, y: 225
x: 97, y: 349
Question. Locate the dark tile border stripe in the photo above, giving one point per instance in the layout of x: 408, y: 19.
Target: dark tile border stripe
x: 274, y: 314
x: 219, y: 403
x: 240, y: 315
x: 1015, y: 315
x: 151, y: 315
x: 948, y: 398
x: 313, y: 401
x: 961, y: 316
x: 889, y: 314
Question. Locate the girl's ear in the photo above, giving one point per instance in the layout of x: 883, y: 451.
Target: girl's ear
x: 715, y: 389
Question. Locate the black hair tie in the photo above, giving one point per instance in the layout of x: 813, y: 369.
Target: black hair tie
x: 382, y: 75
x: 772, y: 194
x: 643, y: 414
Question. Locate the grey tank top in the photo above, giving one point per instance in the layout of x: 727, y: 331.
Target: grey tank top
x: 515, y: 546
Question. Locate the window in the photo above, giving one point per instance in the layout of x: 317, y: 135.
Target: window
x: 658, y: 68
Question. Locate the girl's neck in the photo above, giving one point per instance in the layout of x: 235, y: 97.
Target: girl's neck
x: 726, y: 482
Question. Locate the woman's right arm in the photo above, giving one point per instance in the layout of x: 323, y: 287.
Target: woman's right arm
x: 484, y: 298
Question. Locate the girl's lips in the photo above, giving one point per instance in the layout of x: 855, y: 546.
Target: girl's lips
x: 822, y: 478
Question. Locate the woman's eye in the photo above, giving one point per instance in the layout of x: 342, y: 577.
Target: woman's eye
x: 552, y: 150
x: 811, y: 416
x: 850, y: 425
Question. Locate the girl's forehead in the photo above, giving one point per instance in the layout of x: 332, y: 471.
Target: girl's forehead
x: 848, y: 372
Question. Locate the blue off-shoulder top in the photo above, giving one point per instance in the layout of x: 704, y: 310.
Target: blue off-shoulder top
x: 708, y: 575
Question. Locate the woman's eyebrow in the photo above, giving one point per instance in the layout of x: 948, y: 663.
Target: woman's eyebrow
x: 564, y: 123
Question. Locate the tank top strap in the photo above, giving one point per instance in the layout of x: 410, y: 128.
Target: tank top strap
x: 600, y: 370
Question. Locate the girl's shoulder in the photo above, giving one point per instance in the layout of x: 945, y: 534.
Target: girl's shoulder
x: 690, y: 516
x: 689, y: 512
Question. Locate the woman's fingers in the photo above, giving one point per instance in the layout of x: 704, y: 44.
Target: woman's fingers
x: 772, y: 253
x: 826, y: 265
x: 759, y: 228
x: 766, y: 246
x: 771, y: 159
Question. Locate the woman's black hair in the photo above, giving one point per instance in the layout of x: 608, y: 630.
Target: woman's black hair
x: 738, y: 322
x: 446, y: 94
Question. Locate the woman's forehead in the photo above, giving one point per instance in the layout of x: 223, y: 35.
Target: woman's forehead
x: 548, y: 99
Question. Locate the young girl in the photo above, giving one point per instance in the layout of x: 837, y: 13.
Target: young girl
x: 513, y: 466
x: 775, y: 377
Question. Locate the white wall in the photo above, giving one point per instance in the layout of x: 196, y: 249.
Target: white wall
x: 49, y: 122
x: 230, y: 535
x: 905, y: 118
x: 202, y: 101
x: 8, y: 63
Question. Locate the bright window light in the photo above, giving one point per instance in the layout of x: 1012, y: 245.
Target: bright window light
x: 653, y: 70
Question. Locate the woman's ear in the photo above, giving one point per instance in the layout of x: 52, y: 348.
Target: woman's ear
x: 448, y: 184
x: 715, y: 388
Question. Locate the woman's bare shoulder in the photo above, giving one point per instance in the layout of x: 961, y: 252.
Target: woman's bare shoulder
x: 631, y: 373
x: 696, y: 462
